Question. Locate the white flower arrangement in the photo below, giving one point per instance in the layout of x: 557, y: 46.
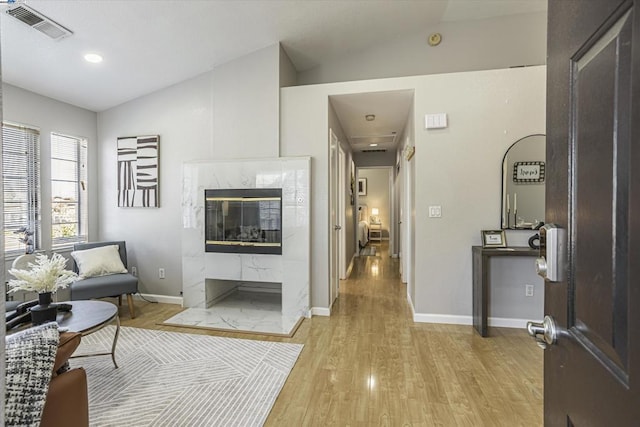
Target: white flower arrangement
x: 46, y: 275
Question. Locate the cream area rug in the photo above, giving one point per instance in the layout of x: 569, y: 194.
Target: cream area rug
x: 176, y: 379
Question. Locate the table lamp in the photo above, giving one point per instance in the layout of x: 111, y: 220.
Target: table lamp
x: 374, y: 215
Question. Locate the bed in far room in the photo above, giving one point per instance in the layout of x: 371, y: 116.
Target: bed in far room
x: 363, y: 226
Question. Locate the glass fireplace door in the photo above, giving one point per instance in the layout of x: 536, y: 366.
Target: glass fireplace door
x: 245, y: 221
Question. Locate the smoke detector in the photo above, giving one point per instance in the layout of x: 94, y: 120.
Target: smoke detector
x: 38, y: 21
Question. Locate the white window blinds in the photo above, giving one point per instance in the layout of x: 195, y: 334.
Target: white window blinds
x: 69, y: 204
x: 21, y: 183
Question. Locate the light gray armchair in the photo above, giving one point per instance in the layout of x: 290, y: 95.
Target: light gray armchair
x: 111, y: 285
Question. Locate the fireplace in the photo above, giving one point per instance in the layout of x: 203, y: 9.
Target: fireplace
x: 244, y: 221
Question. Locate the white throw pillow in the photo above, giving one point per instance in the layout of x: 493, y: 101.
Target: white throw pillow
x: 100, y: 261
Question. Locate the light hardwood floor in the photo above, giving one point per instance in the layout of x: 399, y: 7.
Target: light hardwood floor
x: 370, y: 365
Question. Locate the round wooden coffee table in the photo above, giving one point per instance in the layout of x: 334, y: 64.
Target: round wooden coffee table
x: 87, y: 317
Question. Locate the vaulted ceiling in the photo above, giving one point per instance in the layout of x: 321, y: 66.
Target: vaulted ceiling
x: 148, y: 45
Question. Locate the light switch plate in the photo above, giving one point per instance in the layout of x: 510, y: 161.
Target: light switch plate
x: 435, y: 211
x: 435, y: 121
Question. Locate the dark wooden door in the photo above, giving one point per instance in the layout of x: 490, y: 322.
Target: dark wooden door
x: 592, y: 373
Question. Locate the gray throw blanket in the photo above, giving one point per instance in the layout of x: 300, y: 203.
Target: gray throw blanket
x: 30, y: 355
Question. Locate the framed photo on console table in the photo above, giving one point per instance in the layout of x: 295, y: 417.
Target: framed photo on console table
x: 494, y: 239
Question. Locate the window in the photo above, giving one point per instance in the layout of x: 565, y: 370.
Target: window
x: 21, y: 184
x: 68, y: 190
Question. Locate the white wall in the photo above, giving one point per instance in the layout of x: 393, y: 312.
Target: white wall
x: 246, y: 106
x: 485, y: 44
x: 28, y: 108
x: 458, y: 168
x: 228, y: 113
x: 183, y: 117
x: 288, y: 73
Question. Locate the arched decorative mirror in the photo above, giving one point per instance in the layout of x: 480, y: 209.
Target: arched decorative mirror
x: 523, y: 183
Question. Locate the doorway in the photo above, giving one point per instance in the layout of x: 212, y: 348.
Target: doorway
x: 376, y: 202
x: 368, y: 131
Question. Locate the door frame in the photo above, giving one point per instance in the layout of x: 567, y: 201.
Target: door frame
x: 392, y: 201
x: 342, y: 233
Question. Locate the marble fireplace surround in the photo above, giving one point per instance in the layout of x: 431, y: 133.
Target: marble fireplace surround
x: 208, y: 276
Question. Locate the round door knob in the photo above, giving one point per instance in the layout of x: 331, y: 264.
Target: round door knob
x: 541, y: 267
x: 545, y: 333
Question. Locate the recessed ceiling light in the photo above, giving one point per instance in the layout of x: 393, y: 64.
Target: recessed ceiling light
x: 373, y: 145
x: 370, y: 117
x: 94, y: 58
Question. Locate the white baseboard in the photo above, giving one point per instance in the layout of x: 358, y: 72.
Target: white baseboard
x: 350, y: 268
x: 450, y: 319
x: 413, y: 311
x: 320, y: 311
x: 501, y: 322
x: 165, y: 299
x: 505, y: 322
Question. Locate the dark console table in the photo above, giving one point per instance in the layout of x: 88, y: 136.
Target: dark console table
x: 481, y: 276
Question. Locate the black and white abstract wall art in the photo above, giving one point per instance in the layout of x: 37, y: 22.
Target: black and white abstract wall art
x: 138, y: 171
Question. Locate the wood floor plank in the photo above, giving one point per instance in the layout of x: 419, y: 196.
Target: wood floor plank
x: 369, y: 364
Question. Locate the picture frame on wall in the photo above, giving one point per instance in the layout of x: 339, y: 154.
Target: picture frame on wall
x: 137, y: 168
x: 362, y: 186
x: 352, y: 187
x: 494, y: 239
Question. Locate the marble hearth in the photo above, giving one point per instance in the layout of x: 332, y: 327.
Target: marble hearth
x: 261, y: 293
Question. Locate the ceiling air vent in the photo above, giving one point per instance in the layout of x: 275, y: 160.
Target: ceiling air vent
x: 373, y: 139
x: 374, y: 151
x: 39, y: 22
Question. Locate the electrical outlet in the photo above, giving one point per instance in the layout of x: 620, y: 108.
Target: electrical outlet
x: 435, y: 211
x: 528, y: 290
x: 161, y: 273
x: 134, y: 271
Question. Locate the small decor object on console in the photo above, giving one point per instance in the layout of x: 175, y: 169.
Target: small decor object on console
x: 494, y: 239
x: 138, y: 171
x: 44, y: 277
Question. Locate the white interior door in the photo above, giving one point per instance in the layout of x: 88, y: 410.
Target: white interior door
x: 334, y: 226
x: 342, y: 191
